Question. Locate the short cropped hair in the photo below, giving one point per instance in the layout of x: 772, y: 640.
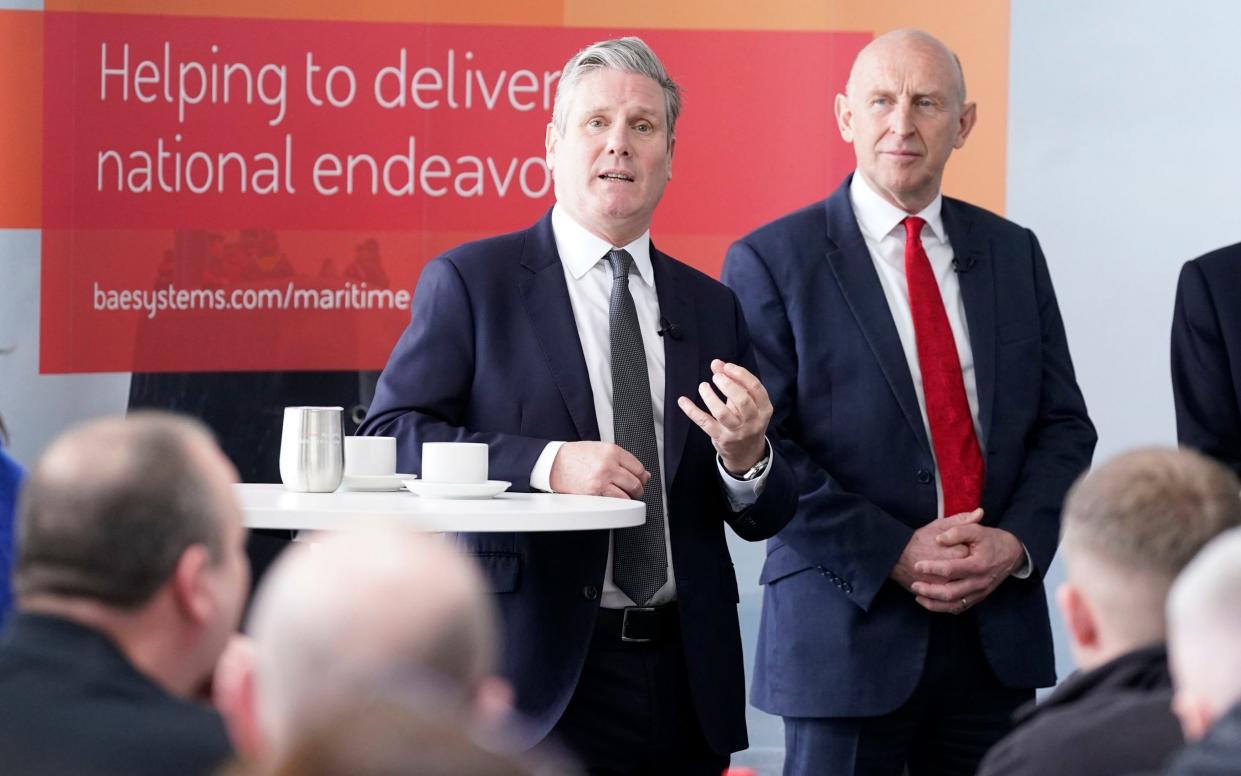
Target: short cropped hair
x: 110, y: 507
x: 628, y: 55
x: 1151, y: 510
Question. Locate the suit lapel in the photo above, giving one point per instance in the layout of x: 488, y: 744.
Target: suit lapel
x: 551, y: 315
x: 972, y: 253
x: 854, y: 270
x: 681, y: 376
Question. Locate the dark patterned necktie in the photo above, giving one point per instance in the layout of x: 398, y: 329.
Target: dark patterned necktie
x: 640, y: 562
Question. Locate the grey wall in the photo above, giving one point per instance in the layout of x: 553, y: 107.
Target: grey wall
x: 1124, y: 135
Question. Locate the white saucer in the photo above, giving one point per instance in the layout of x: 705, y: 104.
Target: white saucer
x: 374, y: 481
x: 457, y: 490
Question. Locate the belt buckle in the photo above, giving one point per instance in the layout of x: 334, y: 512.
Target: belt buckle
x: 625, y: 624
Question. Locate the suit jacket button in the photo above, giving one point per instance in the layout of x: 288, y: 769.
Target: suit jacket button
x: 590, y: 592
x: 925, y: 477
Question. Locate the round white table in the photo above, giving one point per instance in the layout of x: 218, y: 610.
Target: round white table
x: 274, y: 506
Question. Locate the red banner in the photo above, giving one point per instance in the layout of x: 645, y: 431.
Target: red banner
x: 262, y: 194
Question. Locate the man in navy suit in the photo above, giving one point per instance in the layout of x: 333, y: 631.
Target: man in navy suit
x: 564, y: 347
x: 1206, y: 355
x: 924, y: 394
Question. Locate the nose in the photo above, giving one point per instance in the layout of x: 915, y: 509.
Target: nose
x: 902, y: 119
x: 618, y: 139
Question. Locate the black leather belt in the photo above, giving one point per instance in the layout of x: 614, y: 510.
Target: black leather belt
x: 639, y: 624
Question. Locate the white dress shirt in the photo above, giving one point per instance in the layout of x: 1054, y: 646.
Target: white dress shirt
x: 883, y: 229
x: 589, y: 280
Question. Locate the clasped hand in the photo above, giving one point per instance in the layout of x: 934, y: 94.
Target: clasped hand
x: 953, y: 564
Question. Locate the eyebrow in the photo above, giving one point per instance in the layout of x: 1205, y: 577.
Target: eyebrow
x: 643, y: 110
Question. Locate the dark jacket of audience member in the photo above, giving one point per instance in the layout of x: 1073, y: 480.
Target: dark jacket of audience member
x: 60, y: 680
x: 1130, y: 526
x: 1217, y: 754
x: 1115, y: 719
x: 128, y: 582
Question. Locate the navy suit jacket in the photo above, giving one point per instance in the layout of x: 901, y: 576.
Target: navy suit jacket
x: 492, y: 355
x: 838, y: 637
x: 1206, y: 355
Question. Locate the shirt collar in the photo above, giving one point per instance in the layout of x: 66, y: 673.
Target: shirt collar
x: 877, y: 217
x: 580, y: 250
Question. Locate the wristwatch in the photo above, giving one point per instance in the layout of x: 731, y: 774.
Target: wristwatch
x: 754, y: 471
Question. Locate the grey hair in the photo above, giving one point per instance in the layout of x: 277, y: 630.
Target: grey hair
x: 628, y: 55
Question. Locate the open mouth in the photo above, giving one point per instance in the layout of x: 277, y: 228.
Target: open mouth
x: 616, y: 176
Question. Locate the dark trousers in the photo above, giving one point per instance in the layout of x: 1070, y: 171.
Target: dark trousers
x: 956, y: 713
x: 632, y: 712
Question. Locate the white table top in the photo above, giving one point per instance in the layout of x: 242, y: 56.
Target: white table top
x: 274, y: 506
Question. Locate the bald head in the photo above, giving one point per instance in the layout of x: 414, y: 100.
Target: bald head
x: 904, y: 113
x: 905, y: 44
x: 112, y: 504
x: 368, y: 614
x: 1204, y: 639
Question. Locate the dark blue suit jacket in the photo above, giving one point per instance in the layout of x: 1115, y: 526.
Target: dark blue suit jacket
x: 492, y: 355
x: 1206, y: 355
x: 838, y: 638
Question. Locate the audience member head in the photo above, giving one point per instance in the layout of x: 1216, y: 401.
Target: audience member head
x: 368, y: 615
x: 904, y: 112
x: 130, y: 526
x: 386, y: 739
x: 1129, y: 527
x: 1204, y: 640
x: 610, y: 142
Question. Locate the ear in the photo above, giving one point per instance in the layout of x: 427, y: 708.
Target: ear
x: 549, y: 144
x: 191, y: 586
x: 1194, y: 714
x: 844, y: 118
x: 493, y: 701
x: 235, y: 696
x: 1078, y: 616
x: 969, y: 115
x: 672, y: 147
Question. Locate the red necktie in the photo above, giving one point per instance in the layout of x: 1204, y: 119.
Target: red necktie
x: 947, y: 410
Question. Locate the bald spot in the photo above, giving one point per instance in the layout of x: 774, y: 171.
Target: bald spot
x: 898, y: 45
x: 357, y: 613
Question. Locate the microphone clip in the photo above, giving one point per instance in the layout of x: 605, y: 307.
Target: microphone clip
x: 668, y: 329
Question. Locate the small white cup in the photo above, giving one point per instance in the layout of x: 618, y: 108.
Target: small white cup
x: 370, y: 456
x: 454, y: 462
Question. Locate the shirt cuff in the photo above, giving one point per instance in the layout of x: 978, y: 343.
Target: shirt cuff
x: 1027, y: 566
x: 541, y: 475
x: 743, y: 493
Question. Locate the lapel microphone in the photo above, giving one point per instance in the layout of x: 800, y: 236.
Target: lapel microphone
x: 961, y: 266
x: 669, y: 329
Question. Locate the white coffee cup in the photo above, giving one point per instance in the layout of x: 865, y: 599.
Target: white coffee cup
x: 370, y: 456
x: 454, y: 462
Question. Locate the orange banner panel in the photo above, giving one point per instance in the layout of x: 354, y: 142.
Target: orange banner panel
x: 490, y: 12
x: 21, y: 118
